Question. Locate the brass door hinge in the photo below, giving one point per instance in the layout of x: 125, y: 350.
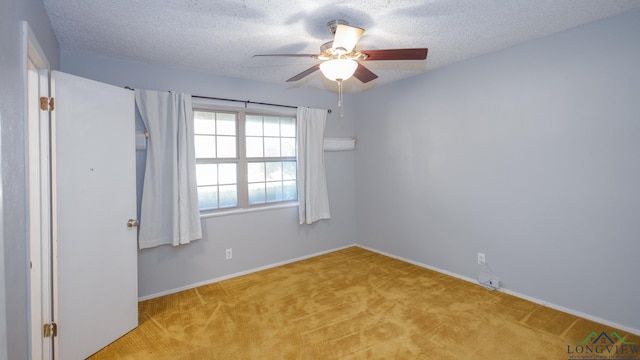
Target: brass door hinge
x: 50, y: 330
x: 46, y: 103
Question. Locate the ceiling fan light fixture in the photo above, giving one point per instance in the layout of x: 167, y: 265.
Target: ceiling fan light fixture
x: 338, y: 69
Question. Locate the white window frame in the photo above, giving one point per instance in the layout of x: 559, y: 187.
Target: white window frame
x: 243, y: 206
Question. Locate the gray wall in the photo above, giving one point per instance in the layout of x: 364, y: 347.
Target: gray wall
x: 13, y: 209
x: 530, y: 155
x: 257, y: 238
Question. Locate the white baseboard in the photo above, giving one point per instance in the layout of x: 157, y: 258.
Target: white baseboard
x: 230, y: 276
x: 458, y: 276
x: 513, y: 293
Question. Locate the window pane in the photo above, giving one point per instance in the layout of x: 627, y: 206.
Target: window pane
x: 288, y: 127
x: 253, y: 125
x: 204, y: 126
x: 208, y: 197
x: 274, y: 191
x: 271, y: 126
x: 226, y: 116
x: 226, y: 124
x: 227, y: 174
x: 228, y: 196
x: 289, y: 170
x: 205, y: 146
x: 289, y: 190
x: 205, y: 122
x: 288, y: 146
x: 204, y: 115
x: 254, y: 147
x: 255, y: 172
x: 207, y: 174
x: 272, y: 147
x: 274, y: 171
x: 256, y: 193
x: 226, y: 146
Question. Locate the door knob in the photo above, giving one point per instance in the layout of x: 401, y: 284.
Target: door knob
x: 132, y: 223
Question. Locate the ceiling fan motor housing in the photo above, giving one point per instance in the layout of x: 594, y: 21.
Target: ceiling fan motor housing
x: 333, y: 25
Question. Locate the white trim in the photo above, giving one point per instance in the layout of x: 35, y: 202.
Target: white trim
x: 34, y: 192
x: 3, y: 297
x: 442, y: 271
x: 36, y: 80
x: 234, y: 106
x: 513, y: 293
x: 34, y: 50
x: 234, y: 211
x: 241, y: 273
x: 573, y: 312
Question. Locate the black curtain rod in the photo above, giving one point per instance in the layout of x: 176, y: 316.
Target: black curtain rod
x: 241, y: 101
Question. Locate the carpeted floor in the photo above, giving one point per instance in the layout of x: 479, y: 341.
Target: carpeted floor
x: 356, y: 304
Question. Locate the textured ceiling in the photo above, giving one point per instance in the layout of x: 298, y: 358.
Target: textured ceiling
x: 220, y: 37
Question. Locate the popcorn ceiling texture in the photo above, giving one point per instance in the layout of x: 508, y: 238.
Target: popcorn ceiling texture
x: 220, y: 37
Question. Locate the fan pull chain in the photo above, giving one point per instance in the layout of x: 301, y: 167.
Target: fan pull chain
x: 340, y: 97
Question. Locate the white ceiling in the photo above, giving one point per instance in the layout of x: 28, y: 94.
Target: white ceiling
x: 220, y: 37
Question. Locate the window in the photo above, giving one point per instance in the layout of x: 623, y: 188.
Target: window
x: 244, y: 159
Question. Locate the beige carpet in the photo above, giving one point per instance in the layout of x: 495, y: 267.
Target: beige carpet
x: 356, y: 304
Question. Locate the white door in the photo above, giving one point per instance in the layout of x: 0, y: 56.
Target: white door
x: 93, y: 181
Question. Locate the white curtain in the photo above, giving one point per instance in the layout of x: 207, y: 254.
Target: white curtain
x: 169, y: 212
x: 313, y: 198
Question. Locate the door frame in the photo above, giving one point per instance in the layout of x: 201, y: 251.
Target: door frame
x: 36, y: 78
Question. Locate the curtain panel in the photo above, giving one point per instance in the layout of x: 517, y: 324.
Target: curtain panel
x: 313, y: 197
x: 169, y: 212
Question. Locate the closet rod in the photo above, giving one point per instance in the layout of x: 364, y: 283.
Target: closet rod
x: 246, y: 102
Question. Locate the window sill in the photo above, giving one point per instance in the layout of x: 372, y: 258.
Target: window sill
x: 235, y: 211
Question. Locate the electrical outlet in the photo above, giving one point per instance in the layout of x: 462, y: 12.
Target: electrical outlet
x: 229, y: 254
x: 481, y: 259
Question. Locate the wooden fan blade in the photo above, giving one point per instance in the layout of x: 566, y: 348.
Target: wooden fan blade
x: 313, y: 56
x: 346, y: 37
x: 363, y: 74
x: 396, y: 54
x: 310, y: 70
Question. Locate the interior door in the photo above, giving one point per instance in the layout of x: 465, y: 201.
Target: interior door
x: 95, y: 250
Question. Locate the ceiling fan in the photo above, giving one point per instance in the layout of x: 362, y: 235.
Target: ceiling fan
x: 341, y: 59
